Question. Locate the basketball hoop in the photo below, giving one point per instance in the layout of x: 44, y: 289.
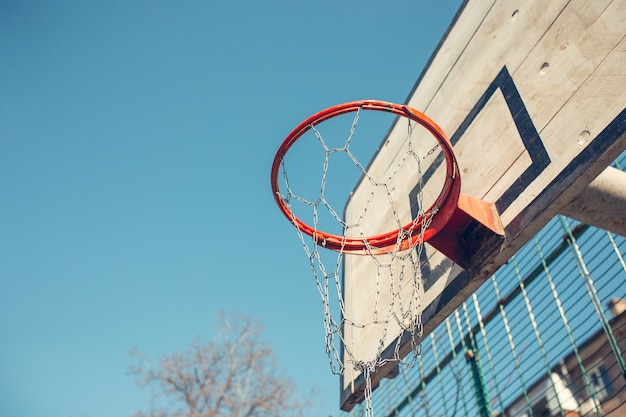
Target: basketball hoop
x: 436, y: 216
x: 455, y: 224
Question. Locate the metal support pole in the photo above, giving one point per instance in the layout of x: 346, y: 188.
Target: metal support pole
x: 478, y: 380
x: 602, y: 203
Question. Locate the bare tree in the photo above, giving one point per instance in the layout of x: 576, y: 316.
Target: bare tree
x: 234, y: 375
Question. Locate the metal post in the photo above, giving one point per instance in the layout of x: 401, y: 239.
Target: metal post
x: 478, y: 380
x: 602, y: 203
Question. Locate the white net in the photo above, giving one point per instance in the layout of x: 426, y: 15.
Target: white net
x: 362, y: 322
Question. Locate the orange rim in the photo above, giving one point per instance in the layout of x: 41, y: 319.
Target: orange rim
x: 439, y: 214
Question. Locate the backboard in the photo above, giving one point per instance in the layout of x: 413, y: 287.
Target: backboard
x: 533, y: 98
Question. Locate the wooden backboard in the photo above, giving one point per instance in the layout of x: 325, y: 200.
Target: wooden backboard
x: 533, y: 97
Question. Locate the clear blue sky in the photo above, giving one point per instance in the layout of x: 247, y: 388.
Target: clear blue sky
x: 136, y: 139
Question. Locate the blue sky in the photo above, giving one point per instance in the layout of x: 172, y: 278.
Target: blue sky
x: 136, y: 139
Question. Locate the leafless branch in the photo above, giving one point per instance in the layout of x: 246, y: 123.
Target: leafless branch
x: 233, y: 375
